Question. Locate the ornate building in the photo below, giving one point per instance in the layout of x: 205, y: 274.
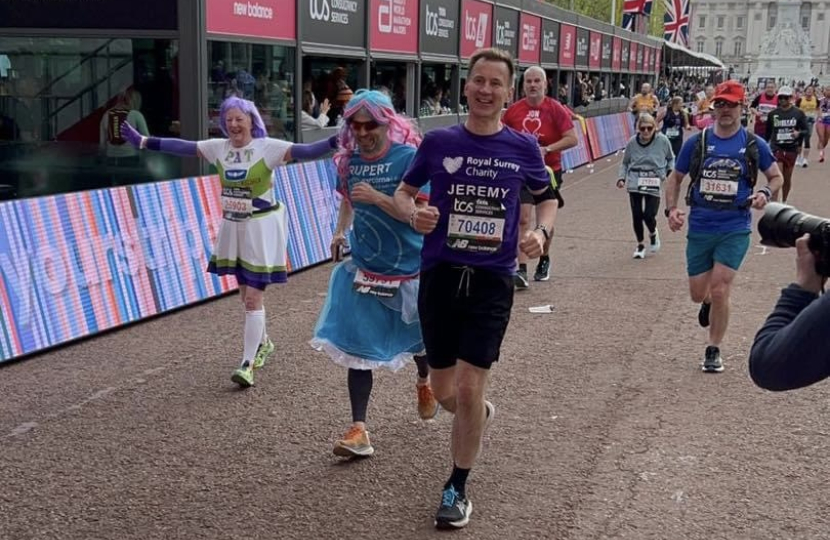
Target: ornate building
x: 743, y: 34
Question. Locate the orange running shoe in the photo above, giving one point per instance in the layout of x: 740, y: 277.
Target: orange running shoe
x: 427, y: 404
x: 354, y: 443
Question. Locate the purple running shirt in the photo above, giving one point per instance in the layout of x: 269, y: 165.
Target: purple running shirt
x: 475, y: 182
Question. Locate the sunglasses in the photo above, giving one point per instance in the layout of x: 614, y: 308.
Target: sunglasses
x: 371, y: 125
x: 646, y: 129
x: 722, y: 104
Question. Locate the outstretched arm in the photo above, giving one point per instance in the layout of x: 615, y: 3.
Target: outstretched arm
x: 177, y: 147
x: 311, y: 150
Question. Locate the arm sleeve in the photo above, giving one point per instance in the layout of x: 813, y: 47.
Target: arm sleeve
x: 417, y: 175
x: 790, y: 350
x: 756, y: 102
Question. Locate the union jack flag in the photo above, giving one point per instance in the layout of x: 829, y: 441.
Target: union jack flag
x: 632, y: 8
x: 676, y: 22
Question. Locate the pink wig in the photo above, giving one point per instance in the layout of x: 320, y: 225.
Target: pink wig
x: 379, y: 107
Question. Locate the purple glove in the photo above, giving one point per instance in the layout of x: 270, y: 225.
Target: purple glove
x: 314, y: 150
x: 130, y: 135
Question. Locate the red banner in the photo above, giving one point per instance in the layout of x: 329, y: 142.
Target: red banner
x: 273, y: 19
x: 394, y: 26
x: 657, y: 65
x: 567, y: 45
x: 530, y: 38
x: 616, y: 54
x: 632, y: 57
x: 646, y: 58
x: 594, y: 50
x: 477, y: 26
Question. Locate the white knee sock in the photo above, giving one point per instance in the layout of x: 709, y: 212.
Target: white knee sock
x: 254, y: 327
x: 264, y: 331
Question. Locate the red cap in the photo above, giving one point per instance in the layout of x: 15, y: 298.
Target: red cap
x: 731, y: 91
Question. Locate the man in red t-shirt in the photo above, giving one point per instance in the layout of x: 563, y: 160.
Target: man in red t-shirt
x: 552, y: 125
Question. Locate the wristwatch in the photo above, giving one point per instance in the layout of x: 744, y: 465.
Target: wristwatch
x: 544, y: 231
x: 667, y: 211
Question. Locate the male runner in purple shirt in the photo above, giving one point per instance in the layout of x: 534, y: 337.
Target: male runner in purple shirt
x: 476, y: 172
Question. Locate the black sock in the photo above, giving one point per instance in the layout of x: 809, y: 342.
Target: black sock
x: 522, y: 268
x: 423, y: 366
x: 544, y: 258
x: 360, y: 388
x: 458, y: 479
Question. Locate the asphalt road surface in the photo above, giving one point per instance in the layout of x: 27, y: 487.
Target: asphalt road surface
x: 605, y: 425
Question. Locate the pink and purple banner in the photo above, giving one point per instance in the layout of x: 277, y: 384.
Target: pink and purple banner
x: 77, y: 264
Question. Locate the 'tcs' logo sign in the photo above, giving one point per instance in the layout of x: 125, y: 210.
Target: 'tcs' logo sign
x: 321, y: 12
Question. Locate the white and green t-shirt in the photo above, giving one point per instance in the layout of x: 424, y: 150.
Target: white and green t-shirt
x: 246, y: 173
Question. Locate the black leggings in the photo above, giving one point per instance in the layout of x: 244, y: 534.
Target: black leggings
x: 647, y: 215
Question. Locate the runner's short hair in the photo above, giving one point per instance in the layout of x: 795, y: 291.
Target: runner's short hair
x: 493, y: 54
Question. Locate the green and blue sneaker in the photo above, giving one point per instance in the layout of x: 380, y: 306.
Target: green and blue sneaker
x: 262, y: 353
x: 243, y: 376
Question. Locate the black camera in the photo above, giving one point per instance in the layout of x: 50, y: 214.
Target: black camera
x: 781, y: 225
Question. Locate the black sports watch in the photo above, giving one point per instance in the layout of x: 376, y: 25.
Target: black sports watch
x: 667, y: 211
x: 544, y: 231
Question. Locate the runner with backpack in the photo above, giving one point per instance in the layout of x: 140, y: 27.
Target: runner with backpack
x: 723, y: 162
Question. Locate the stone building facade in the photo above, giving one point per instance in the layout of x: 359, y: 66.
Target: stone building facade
x: 737, y: 32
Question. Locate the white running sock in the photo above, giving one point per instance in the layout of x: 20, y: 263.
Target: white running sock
x: 264, y: 331
x: 254, y: 327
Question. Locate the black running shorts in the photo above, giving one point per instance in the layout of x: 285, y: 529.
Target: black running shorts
x: 464, y: 314
x: 526, y: 197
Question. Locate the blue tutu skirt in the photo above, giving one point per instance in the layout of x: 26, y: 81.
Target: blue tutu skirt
x: 363, y: 331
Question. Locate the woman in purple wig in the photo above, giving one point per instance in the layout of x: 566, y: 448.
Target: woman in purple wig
x: 251, y: 243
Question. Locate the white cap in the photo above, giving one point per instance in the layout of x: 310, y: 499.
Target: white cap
x: 785, y: 91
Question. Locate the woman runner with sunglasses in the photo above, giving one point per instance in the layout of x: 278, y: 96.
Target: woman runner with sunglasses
x: 647, y: 162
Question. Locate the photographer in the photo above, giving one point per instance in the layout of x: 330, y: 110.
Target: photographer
x: 790, y: 351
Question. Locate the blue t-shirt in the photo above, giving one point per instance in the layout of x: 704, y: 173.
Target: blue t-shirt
x: 475, y: 183
x: 380, y: 243
x: 724, y: 161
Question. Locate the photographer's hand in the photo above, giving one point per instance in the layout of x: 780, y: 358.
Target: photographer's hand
x: 806, y: 276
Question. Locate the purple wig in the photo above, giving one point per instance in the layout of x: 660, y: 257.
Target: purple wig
x: 257, y: 125
x: 379, y: 107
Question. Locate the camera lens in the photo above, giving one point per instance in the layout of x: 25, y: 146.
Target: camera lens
x: 781, y: 225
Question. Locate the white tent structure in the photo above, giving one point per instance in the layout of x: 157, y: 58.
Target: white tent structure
x: 680, y: 58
